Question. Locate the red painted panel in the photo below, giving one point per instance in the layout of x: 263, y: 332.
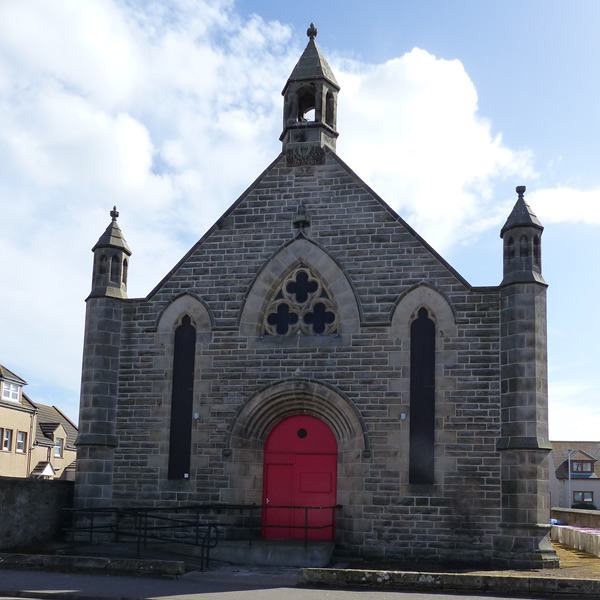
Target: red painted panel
x: 279, y: 483
x: 312, y: 471
x: 300, y: 470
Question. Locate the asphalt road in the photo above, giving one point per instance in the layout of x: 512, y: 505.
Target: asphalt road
x: 240, y: 584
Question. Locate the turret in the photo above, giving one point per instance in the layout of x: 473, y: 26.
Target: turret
x: 522, y: 235
x: 310, y: 87
x: 111, y: 262
x: 100, y: 370
x: 524, y: 448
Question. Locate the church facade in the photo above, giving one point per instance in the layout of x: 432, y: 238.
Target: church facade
x: 313, y: 350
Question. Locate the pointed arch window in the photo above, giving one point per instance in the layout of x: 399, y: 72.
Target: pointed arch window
x: 422, y: 399
x: 115, y: 268
x: 536, y: 251
x: 301, y: 305
x: 524, y: 246
x: 180, y: 444
x: 510, y: 249
x: 330, y: 109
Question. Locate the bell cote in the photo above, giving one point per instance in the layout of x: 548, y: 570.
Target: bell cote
x: 309, y: 107
x: 111, y: 262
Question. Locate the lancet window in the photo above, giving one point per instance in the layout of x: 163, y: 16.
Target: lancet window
x: 301, y: 305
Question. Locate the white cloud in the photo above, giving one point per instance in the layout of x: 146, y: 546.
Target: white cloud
x: 418, y: 139
x: 170, y: 110
x: 566, y: 205
x: 568, y: 399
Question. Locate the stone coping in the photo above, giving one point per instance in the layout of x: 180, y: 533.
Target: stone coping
x: 92, y: 564
x: 522, y: 585
x: 580, y: 538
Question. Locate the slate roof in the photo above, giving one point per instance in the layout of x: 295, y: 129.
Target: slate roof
x: 38, y: 470
x: 10, y: 376
x: 48, y: 420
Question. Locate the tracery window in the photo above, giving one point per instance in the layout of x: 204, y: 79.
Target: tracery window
x: 301, y: 305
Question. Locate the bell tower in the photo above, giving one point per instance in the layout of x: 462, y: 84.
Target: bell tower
x: 309, y: 108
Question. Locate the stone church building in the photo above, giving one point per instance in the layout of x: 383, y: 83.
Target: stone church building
x: 313, y: 350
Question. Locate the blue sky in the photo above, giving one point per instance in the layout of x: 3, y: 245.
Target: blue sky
x: 171, y: 109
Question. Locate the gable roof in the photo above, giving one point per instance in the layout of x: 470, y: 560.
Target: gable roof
x: 43, y: 469
x: 579, y: 451
x: 49, y: 418
x: 10, y: 376
x: 330, y: 155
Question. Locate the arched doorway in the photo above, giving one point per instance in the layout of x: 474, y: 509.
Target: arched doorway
x: 300, y: 470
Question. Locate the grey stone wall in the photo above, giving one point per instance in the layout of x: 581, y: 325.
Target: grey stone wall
x: 31, y: 510
x: 357, y: 382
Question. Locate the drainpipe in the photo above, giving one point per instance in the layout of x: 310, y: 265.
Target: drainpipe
x: 30, y: 440
x: 569, y: 501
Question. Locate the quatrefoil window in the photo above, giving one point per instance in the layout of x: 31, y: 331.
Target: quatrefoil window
x: 301, y: 306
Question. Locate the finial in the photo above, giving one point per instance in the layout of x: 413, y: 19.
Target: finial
x: 114, y: 213
x: 520, y: 189
x: 312, y: 31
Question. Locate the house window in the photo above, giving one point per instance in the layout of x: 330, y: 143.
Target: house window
x: 10, y: 391
x: 7, y: 436
x: 21, y: 442
x: 58, y: 447
x: 581, y: 466
x: 583, y: 496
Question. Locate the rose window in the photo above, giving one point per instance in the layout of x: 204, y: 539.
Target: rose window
x: 301, y: 305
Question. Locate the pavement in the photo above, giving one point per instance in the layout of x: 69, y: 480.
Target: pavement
x: 132, y: 578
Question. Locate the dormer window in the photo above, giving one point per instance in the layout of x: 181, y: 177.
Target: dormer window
x: 10, y: 391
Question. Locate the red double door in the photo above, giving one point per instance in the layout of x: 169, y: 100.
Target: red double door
x: 300, y: 470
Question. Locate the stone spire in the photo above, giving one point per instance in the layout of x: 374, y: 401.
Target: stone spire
x: 521, y: 215
x: 311, y: 86
x: 111, y: 262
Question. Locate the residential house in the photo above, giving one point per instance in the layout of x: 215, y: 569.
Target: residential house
x: 578, y: 481
x: 36, y: 440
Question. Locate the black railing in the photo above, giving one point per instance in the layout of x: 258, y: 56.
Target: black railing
x: 200, y: 525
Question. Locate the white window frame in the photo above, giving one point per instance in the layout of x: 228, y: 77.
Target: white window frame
x: 7, y: 436
x: 10, y: 391
x: 59, y: 446
x: 21, y: 446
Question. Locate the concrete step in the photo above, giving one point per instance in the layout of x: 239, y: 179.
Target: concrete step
x: 272, y: 553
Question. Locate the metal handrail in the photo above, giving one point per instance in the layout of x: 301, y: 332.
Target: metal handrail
x: 161, y: 524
